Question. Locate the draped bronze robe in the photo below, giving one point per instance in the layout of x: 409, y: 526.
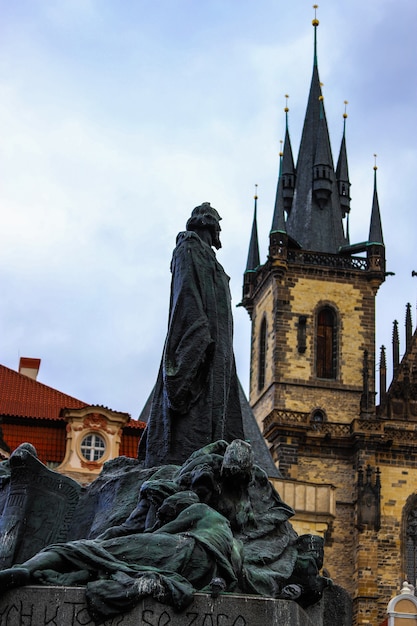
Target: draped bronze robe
x: 196, y: 398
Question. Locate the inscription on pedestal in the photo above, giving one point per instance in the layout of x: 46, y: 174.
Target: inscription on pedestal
x: 56, y: 606
x: 30, y: 613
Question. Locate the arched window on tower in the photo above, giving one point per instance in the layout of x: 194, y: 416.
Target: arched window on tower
x: 262, y: 355
x: 326, y: 340
x: 411, y: 543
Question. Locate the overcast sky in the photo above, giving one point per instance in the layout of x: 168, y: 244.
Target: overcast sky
x: 119, y: 116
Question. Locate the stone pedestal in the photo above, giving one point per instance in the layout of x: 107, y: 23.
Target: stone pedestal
x: 65, y: 606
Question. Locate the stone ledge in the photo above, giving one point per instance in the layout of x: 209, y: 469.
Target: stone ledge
x: 65, y: 606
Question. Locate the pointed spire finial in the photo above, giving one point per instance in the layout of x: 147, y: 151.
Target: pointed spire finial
x: 286, y: 103
x: 315, y: 22
x: 375, y: 165
x: 281, y: 154
x: 345, y: 116
x: 395, y: 347
x: 253, y: 255
x: 375, y: 228
x: 383, y: 359
x: 382, y: 380
x: 408, y: 327
x: 286, y: 110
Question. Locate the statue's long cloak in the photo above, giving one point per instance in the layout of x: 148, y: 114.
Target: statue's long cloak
x: 196, y: 398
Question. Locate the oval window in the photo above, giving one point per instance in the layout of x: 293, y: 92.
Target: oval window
x: 93, y: 447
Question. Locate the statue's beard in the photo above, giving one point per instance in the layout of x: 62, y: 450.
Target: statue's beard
x: 216, y: 243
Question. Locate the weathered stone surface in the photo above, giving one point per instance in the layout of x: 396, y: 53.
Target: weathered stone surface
x: 65, y: 606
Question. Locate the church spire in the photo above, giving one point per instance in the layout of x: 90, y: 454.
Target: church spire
x: 288, y: 169
x: 286, y: 181
x: 342, y: 172
x: 382, y: 377
x: 408, y: 327
x: 375, y: 229
x: 253, y: 255
x: 395, y: 347
x: 315, y: 220
x: 323, y: 173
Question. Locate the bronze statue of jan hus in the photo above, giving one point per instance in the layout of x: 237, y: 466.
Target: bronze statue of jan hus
x: 196, y: 397
x: 207, y: 517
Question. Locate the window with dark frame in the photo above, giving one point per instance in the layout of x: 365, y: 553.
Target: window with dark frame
x: 262, y: 355
x: 411, y: 544
x: 326, y: 343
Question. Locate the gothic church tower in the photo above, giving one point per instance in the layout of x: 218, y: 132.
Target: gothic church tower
x: 349, y: 468
x: 312, y: 303
x: 312, y: 384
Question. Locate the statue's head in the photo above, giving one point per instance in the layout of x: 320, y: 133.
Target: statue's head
x: 205, y: 217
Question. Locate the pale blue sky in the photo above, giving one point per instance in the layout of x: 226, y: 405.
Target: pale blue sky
x: 118, y: 117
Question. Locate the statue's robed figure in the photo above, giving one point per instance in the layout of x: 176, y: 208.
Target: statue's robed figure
x: 196, y: 397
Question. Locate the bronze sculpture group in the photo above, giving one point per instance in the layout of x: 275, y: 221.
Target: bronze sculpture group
x: 207, y: 517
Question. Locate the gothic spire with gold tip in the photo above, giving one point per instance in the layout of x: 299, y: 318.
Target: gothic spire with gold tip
x: 253, y: 255
x: 315, y: 218
x: 375, y: 229
x: 286, y: 181
x: 342, y: 171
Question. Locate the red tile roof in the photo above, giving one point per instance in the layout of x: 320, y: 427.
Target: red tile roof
x: 22, y: 396
x: 129, y: 445
x: 49, y: 441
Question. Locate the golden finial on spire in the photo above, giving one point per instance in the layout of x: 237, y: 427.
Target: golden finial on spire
x: 375, y: 165
x: 281, y: 152
x: 315, y: 22
x: 345, y: 102
x: 286, y: 103
x: 321, y: 98
x: 255, y: 197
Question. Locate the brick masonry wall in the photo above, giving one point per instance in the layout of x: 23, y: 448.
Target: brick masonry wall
x: 369, y: 563
x: 281, y: 302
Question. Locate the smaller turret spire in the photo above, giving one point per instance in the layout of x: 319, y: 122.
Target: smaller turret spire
x: 342, y: 172
x: 395, y: 347
x: 375, y: 229
x: 408, y: 327
x: 323, y: 163
x: 286, y: 180
x: 382, y: 377
x: 288, y: 168
x: 253, y: 254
